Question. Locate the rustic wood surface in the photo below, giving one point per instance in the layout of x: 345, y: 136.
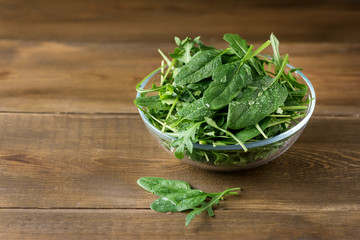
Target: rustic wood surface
x: 72, y: 144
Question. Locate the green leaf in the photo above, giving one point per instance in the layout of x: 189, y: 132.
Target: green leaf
x: 162, y: 186
x: 177, y: 41
x: 208, y: 206
x: 255, y: 104
x: 185, y: 139
x: 238, y: 44
x: 240, y: 47
x: 213, y: 124
x: 275, y: 46
x: 251, y: 131
x: 188, y: 46
x: 195, y: 111
x: 152, y: 102
x: 179, y: 201
x: 229, y: 79
x: 190, y: 217
x: 198, y: 68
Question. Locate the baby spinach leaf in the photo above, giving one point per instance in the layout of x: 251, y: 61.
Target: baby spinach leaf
x: 199, y: 67
x: 179, y: 201
x: 229, y: 79
x: 195, y: 111
x: 202, y: 85
x: 254, y: 105
x: 162, y: 186
x: 151, y: 102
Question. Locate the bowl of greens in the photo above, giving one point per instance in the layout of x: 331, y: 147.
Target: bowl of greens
x: 225, y: 109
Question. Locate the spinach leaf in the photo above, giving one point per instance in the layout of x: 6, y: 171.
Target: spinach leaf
x: 162, y: 186
x: 254, y: 105
x: 179, y: 201
x: 199, y: 67
x: 229, y: 79
x: 195, y: 111
x: 202, y: 85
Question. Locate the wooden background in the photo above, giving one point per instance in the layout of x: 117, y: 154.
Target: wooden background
x: 72, y: 144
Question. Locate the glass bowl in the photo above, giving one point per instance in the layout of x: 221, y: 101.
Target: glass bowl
x: 212, y: 157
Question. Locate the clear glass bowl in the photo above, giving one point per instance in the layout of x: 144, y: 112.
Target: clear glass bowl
x: 260, y: 152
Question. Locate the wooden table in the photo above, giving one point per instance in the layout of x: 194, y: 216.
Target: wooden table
x: 73, y: 145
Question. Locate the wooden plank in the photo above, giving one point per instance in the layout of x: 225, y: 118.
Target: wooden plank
x: 145, y: 224
x: 93, y: 161
x: 74, y: 77
x: 114, y: 21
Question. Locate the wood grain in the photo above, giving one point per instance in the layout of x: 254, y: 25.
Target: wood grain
x: 101, y: 78
x: 146, y: 224
x: 93, y: 161
x: 72, y: 144
x: 156, y: 21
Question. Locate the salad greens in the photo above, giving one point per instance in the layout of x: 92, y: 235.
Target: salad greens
x: 222, y: 97
x: 177, y: 196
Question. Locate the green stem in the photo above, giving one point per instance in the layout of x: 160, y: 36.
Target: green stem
x: 165, y: 57
x: 261, y: 48
x: 138, y: 86
x: 288, y: 108
x: 169, y: 68
x: 169, y: 113
x: 282, y: 67
x: 161, y: 123
x: 192, y: 96
x: 204, y: 207
x: 236, y: 139
x: 274, y: 115
x: 248, y: 54
x: 261, y: 131
x: 284, y: 121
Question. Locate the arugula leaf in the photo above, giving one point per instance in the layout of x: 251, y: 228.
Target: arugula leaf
x: 238, y: 44
x: 213, y: 124
x: 275, y: 46
x: 229, y: 79
x: 241, y: 49
x: 151, y: 102
x: 200, y: 66
x: 185, y: 139
x: 208, y: 206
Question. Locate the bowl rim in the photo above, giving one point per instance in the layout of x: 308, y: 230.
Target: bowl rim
x: 261, y: 143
